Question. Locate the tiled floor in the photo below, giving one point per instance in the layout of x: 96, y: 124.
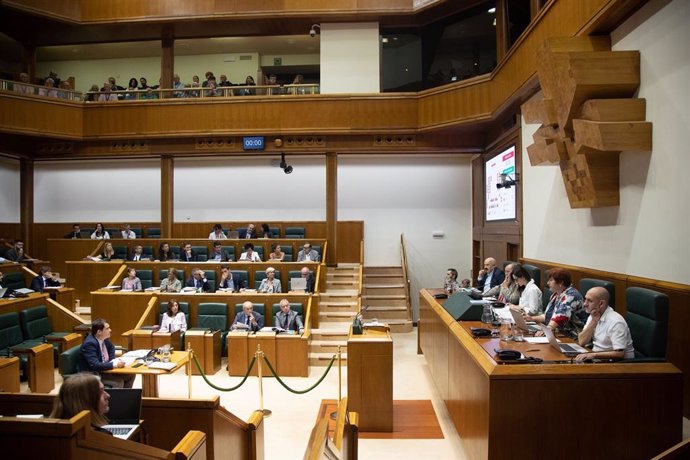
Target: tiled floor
x: 287, y: 430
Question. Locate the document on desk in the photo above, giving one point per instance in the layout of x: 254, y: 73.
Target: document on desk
x: 162, y: 365
x: 503, y: 314
x: 129, y: 360
x: 536, y: 340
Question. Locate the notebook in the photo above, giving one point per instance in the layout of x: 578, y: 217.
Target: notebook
x: 125, y: 412
x: 521, y: 323
x: 298, y: 284
x: 568, y: 349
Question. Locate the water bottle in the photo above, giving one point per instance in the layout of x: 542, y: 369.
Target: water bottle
x: 487, y: 314
x: 506, y: 331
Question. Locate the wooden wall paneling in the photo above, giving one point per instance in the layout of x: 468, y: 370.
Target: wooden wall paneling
x: 86, y: 277
x: 26, y: 201
x: 60, y: 251
x: 167, y: 196
x: 350, y: 233
x: 10, y: 231
x: 122, y: 312
x: 332, y: 207
x: 41, y: 116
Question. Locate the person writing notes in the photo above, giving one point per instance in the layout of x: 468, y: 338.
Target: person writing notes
x: 250, y: 319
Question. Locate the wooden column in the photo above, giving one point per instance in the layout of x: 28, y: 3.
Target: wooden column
x: 332, y: 207
x: 501, y: 29
x: 167, y: 196
x: 167, y: 57
x: 29, y: 61
x: 26, y: 213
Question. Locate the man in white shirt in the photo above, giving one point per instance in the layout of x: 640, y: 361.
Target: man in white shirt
x: 217, y: 233
x: 605, y: 328
x: 127, y: 232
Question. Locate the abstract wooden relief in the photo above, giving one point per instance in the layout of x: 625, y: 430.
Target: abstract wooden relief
x: 588, y: 115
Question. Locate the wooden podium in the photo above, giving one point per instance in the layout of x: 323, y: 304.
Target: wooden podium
x: 140, y: 339
x: 206, y: 346
x: 287, y: 353
x: 370, y: 379
x: 9, y: 375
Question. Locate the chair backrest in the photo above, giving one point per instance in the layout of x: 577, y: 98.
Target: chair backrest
x: 184, y: 308
x: 545, y: 297
x: 13, y: 280
x: 114, y: 232
x: 317, y: 248
x: 35, y: 323
x: 69, y: 361
x: 146, y: 277
x: 507, y: 262
x: 10, y: 331
x: 200, y: 250
x: 258, y: 307
x: 260, y: 275
x: 162, y: 274
x: 230, y: 250
x: 647, y: 318
x: 240, y: 278
x: 298, y: 307
x: 294, y: 232
x: 275, y: 232
x: 153, y: 233
x: 211, y: 277
x: 148, y: 251
x: 259, y: 250
x: 534, y: 272
x: 588, y: 283
x: 137, y: 231
x: 120, y: 251
x: 213, y: 315
x: 176, y: 251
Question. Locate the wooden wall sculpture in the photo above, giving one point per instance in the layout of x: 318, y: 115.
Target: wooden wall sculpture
x: 588, y: 116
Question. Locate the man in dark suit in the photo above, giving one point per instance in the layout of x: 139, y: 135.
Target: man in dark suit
x: 198, y: 280
x: 251, y: 320
x: 75, y: 233
x: 309, y: 276
x: 288, y: 319
x: 138, y: 254
x: 43, y: 280
x: 16, y: 254
x: 98, y: 355
x: 187, y: 254
x: 490, y: 276
x: 218, y: 254
x: 247, y: 233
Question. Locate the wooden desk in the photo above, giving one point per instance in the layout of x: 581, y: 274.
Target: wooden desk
x: 289, y: 354
x: 206, y: 346
x: 41, y: 365
x: 150, y: 376
x: 9, y: 375
x: 140, y: 339
x: 370, y: 379
x: 618, y: 411
x: 64, y: 296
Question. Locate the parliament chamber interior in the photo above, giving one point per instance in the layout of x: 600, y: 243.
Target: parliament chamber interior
x: 323, y: 230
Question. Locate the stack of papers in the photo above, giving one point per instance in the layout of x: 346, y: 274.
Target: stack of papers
x: 161, y: 365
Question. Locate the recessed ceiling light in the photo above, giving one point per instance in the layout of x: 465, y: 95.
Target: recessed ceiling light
x: 395, y: 38
x: 492, y: 10
x: 384, y: 40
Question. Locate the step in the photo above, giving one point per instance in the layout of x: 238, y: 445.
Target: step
x: 341, y: 292
x: 382, y: 271
x: 327, y: 346
x: 338, y: 303
x: 323, y: 359
x: 333, y: 335
x: 342, y: 274
x: 336, y: 316
x: 386, y: 313
x: 385, y: 290
x: 400, y: 326
x: 342, y: 284
x: 384, y: 301
x: 383, y: 279
x: 348, y: 265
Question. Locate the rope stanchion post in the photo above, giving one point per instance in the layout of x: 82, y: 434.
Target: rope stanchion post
x: 259, y: 357
x: 190, y: 355
x: 334, y: 414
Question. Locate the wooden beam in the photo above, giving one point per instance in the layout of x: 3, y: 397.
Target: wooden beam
x: 614, y: 109
x: 332, y: 207
x: 26, y: 213
x: 167, y: 196
x: 167, y: 56
x: 613, y: 136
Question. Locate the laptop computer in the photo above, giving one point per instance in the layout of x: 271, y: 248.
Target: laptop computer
x: 3, y: 291
x: 298, y: 284
x: 568, y: 349
x: 125, y: 412
x: 521, y: 323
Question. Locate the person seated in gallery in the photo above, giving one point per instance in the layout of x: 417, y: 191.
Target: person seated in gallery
x: 97, y: 354
x: 171, y: 283
x: 217, y: 233
x: 288, y: 319
x: 249, y: 255
x: 507, y: 291
x: 227, y: 282
x: 565, y: 311
x: 138, y: 254
x: 307, y: 254
x: 45, y: 279
x: 248, y: 318
x: 173, y: 319
x: 265, y: 231
x: 530, y: 298
x: 218, y: 254
x: 131, y: 282
x: 75, y: 234
x: 127, y: 233
x: 107, y: 254
x: 187, y: 254
x: 450, y: 283
x: 270, y: 285
x: 198, y: 281
x: 309, y: 276
x: 276, y: 253
x: 16, y: 254
x: 606, y: 329
x: 490, y: 276
x: 165, y: 253
x: 83, y: 391
x: 100, y: 233
x: 247, y: 233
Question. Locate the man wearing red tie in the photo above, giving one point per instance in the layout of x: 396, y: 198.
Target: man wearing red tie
x: 98, y: 355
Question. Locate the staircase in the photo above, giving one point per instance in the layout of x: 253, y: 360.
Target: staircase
x: 384, y: 293
x: 338, y: 306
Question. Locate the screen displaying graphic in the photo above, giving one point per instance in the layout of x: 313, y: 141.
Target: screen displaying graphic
x: 500, y: 202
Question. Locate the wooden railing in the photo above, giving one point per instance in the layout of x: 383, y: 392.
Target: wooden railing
x: 344, y: 443
x: 29, y: 89
x: 406, y: 277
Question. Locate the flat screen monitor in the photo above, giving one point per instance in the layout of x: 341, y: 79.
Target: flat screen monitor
x: 500, y: 203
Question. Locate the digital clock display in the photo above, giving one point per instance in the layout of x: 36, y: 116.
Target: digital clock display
x: 253, y: 143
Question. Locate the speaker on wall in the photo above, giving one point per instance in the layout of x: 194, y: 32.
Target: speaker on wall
x: 460, y: 307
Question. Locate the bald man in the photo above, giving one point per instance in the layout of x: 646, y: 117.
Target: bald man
x: 490, y: 276
x: 605, y: 328
x: 251, y: 319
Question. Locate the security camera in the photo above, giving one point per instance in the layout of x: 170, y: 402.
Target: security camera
x: 287, y: 169
x: 313, y: 31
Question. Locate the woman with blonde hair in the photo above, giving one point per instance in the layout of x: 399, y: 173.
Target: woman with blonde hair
x: 80, y: 392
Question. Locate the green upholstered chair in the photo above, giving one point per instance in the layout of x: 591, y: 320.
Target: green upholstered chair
x: 298, y: 307
x: 647, y: 318
x: 588, y: 283
x: 147, y: 252
x: 13, y: 280
x: 120, y: 252
x: 146, y: 277
x: 201, y: 253
x: 176, y: 251
x: 534, y: 272
x: 153, y: 233
x: 240, y: 278
x: 137, y: 231
x: 289, y: 252
x: 259, y: 250
x: 260, y: 275
x: 68, y: 362
x: 214, y: 316
x: 36, y: 327
x: 211, y: 277
x: 11, y: 337
x: 230, y: 250
x: 317, y: 248
x: 258, y: 307
x: 545, y: 297
x: 275, y: 232
x: 294, y: 232
x: 114, y: 233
